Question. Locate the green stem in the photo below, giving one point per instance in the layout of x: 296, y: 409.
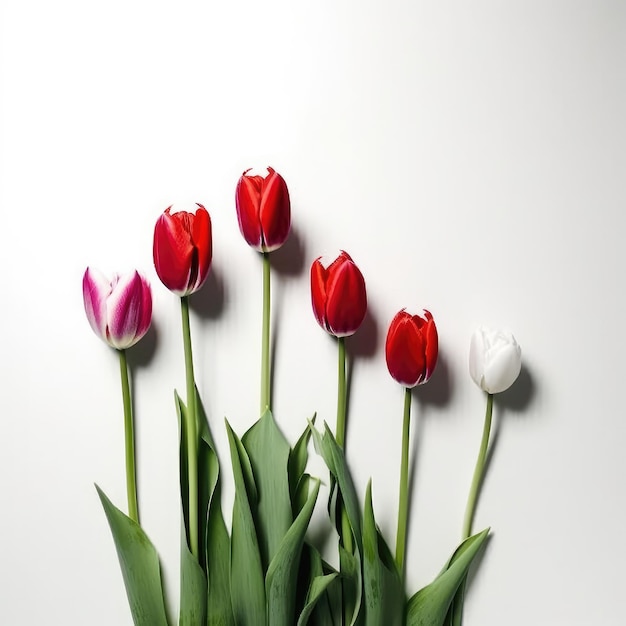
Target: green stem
x: 191, y: 429
x: 265, y: 337
x: 129, y: 441
x: 478, y: 471
x: 403, y: 500
x: 340, y: 435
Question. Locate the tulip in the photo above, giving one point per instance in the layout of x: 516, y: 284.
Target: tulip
x: 495, y: 359
x: 338, y: 295
x: 263, y: 210
x: 119, y: 310
x: 411, y: 348
x: 411, y: 351
x: 182, y: 249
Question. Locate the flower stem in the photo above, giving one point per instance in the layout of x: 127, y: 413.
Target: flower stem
x: 129, y: 441
x: 478, y: 471
x: 265, y: 337
x: 340, y: 435
x: 403, y: 500
x: 191, y: 429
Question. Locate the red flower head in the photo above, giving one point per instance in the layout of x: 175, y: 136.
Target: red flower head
x: 183, y: 249
x: 411, y: 348
x: 338, y: 295
x: 263, y: 210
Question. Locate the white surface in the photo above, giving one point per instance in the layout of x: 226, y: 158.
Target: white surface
x: 471, y: 159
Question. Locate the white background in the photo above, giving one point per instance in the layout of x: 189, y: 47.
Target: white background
x: 470, y: 156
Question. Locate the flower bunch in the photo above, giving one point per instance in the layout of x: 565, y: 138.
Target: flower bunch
x: 261, y: 569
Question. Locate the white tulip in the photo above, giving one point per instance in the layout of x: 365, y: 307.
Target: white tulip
x: 495, y: 359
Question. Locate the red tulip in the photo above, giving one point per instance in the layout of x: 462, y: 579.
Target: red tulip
x: 411, y: 348
x: 183, y: 249
x: 338, y: 295
x: 263, y: 210
x: 119, y: 310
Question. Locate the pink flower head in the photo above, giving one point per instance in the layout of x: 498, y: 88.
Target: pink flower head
x: 119, y: 310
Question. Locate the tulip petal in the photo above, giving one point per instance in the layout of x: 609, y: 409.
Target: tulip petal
x: 248, y: 201
x: 173, y: 251
x: 432, y: 345
x: 202, y: 239
x: 319, y: 274
x: 503, y: 367
x: 124, y: 311
x: 477, y: 357
x: 274, y: 212
x: 96, y: 289
x: 346, y: 301
x: 145, y: 309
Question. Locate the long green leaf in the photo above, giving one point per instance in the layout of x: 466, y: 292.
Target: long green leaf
x: 455, y: 612
x: 350, y: 564
x: 214, y: 538
x: 316, y: 593
x: 192, y: 609
x: 139, y: 562
x: 246, y: 575
x: 298, y: 458
x: 333, y: 456
x: 281, y: 580
x: 430, y: 605
x: 318, y: 587
x: 384, y: 595
x: 269, y: 451
x: 193, y: 584
x: 351, y: 584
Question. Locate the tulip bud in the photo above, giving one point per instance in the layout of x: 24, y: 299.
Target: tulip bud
x: 182, y: 249
x: 495, y: 359
x: 119, y: 310
x: 338, y: 295
x: 263, y: 210
x: 411, y: 348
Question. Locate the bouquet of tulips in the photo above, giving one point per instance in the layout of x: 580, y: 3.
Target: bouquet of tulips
x: 260, y: 568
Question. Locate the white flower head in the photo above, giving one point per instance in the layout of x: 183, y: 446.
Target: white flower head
x: 495, y: 359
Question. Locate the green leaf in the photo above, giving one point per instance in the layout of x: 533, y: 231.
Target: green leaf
x: 301, y: 495
x: 455, y: 612
x: 214, y: 538
x: 333, y: 456
x: 298, y: 458
x: 383, y: 590
x: 318, y: 588
x: 352, y: 584
x: 193, y: 597
x: 321, y: 596
x: 281, y: 580
x: 350, y: 564
x: 246, y: 575
x: 269, y: 451
x: 208, y: 578
x: 429, y: 606
x: 140, y: 567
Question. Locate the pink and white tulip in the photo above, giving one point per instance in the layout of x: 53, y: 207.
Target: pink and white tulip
x: 119, y: 310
